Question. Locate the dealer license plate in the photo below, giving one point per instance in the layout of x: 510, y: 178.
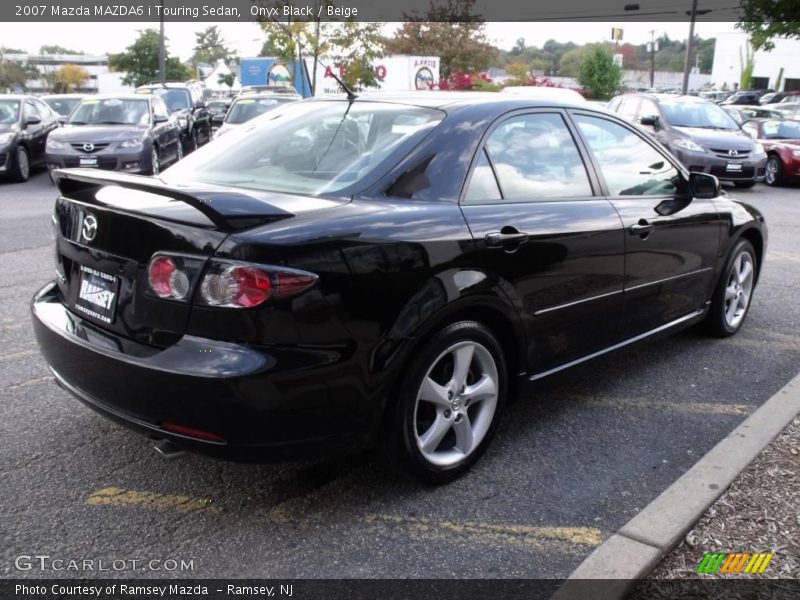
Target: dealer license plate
x: 734, y: 167
x: 97, y: 294
x: 87, y: 161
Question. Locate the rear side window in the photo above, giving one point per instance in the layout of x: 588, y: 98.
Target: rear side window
x: 534, y: 157
x: 630, y: 166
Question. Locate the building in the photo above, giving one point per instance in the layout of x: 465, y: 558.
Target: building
x: 48, y: 64
x: 730, y: 52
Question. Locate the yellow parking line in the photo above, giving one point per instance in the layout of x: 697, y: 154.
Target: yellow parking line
x: 711, y: 408
x: 113, y: 496
x: 566, y: 539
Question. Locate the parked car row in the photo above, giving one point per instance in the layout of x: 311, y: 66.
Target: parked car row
x: 738, y: 144
x: 137, y: 133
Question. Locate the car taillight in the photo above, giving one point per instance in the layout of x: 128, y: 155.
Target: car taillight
x: 166, y: 279
x: 246, y: 286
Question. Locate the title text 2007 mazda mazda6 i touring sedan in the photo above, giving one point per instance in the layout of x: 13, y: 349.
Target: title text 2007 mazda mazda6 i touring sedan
x: 383, y: 268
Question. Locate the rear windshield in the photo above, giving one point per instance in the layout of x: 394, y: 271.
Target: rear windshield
x: 309, y: 147
x: 697, y: 114
x: 248, y: 108
x: 111, y: 111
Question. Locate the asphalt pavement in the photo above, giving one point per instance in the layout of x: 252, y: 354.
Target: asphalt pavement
x: 577, y: 455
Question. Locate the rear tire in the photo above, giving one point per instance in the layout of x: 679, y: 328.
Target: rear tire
x: 448, y: 404
x: 22, y: 165
x: 734, y: 292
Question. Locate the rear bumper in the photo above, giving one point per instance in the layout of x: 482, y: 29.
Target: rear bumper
x: 260, y: 403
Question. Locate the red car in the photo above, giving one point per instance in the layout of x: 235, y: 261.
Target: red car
x: 781, y: 141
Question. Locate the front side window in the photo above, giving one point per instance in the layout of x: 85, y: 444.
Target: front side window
x: 9, y: 111
x: 534, y: 157
x: 630, y: 166
x: 310, y: 147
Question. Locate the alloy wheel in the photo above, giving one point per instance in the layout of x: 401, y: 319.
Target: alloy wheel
x: 739, y: 289
x: 456, y: 403
x: 772, y: 170
x: 23, y: 164
x: 154, y: 161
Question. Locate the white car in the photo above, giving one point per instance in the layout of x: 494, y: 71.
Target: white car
x: 545, y: 93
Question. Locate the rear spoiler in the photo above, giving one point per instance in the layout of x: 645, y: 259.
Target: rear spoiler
x: 228, y: 210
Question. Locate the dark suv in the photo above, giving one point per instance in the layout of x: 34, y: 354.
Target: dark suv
x: 187, y: 102
x: 699, y: 133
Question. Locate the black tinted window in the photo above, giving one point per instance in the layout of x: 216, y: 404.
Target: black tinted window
x: 534, y: 157
x: 630, y: 165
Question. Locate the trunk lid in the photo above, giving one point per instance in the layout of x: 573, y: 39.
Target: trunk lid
x: 109, y: 226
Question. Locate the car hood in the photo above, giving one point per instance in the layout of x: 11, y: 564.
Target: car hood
x: 96, y: 133
x: 717, y: 138
x: 773, y: 143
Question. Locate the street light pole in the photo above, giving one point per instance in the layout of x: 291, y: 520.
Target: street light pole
x: 162, y: 51
x: 687, y: 64
x: 652, y: 58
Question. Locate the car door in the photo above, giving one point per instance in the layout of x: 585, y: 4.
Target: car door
x: 555, y: 247
x: 162, y: 131
x: 671, y: 239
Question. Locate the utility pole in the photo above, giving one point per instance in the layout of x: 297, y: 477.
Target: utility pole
x: 688, y: 61
x: 162, y: 50
x: 652, y: 58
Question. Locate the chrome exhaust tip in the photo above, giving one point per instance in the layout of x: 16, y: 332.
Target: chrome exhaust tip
x: 168, y: 450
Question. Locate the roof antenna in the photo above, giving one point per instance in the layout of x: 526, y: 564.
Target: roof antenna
x: 351, y: 95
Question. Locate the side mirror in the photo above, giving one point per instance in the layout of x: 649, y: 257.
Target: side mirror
x: 160, y: 119
x: 32, y: 121
x: 62, y: 119
x: 649, y: 120
x: 703, y: 185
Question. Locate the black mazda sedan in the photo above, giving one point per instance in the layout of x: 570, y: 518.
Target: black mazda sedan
x: 381, y: 269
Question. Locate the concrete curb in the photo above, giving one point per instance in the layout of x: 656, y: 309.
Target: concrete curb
x: 643, y: 541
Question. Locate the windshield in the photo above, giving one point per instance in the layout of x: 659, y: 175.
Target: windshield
x: 245, y: 109
x: 63, y: 106
x: 177, y: 99
x: 781, y: 130
x: 309, y: 147
x: 9, y: 111
x: 111, y: 111
x: 698, y: 114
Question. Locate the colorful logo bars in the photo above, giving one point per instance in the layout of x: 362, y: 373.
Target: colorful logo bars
x: 742, y: 562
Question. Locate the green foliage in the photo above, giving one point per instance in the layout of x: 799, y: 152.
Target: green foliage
x: 55, y: 49
x: 598, y: 74
x: 140, y: 61
x: 210, y: 47
x: 226, y: 79
x: 12, y: 75
x: 764, y: 20
x: 747, y: 64
x: 354, y: 45
x: 453, y: 33
x: 570, y: 62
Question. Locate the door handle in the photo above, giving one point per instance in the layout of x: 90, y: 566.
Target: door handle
x: 505, y: 238
x: 642, y: 228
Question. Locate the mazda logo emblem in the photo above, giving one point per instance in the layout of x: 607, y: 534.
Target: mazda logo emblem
x: 88, y: 146
x: 733, y: 153
x: 89, y: 229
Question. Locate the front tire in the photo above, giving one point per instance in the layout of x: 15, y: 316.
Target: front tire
x: 773, y: 174
x: 155, y: 164
x: 449, y: 403
x: 731, y: 300
x: 22, y: 165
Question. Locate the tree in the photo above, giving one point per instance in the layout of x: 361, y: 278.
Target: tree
x: 747, y: 63
x: 453, y: 33
x: 767, y: 19
x: 227, y: 79
x: 353, y: 46
x: 571, y: 61
x: 598, y: 74
x: 15, y: 74
x: 210, y: 47
x: 140, y: 61
x: 68, y: 77
x: 55, y: 49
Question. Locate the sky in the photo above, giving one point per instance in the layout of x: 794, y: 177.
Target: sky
x: 246, y: 38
